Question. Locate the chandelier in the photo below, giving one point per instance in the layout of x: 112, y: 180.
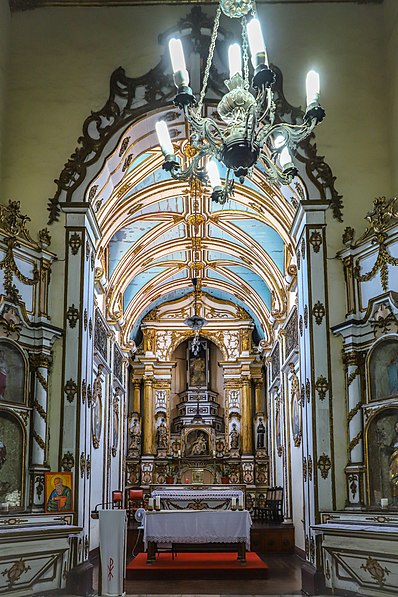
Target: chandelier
x: 248, y: 130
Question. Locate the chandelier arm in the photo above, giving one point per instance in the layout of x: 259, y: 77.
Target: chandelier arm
x: 292, y: 133
x: 263, y: 98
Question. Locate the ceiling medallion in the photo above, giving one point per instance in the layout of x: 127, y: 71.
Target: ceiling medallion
x: 248, y: 130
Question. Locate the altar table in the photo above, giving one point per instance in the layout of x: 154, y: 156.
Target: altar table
x: 182, y: 498
x: 167, y: 527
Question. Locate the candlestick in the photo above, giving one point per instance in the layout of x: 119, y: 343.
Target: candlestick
x: 150, y: 504
x: 240, y: 502
x: 157, y: 502
x: 233, y: 503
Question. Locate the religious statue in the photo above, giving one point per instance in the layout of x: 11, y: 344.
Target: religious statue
x: 199, y: 446
x: 197, y: 370
x: 260, y: 434
x: 392, y: 374
x: 234, y: 438
x: 134, y: 428
x: 393, y: 466
x: 161, y: 435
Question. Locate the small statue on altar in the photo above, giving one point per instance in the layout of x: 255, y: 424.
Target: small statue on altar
x: 161, y: 435
x: 234, y: 438
x: 260, y: 444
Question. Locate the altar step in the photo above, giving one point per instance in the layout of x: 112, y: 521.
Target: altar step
x: 263, y: 539
x: 195, y: 565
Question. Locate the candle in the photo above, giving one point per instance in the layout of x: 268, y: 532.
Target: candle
x: 214, y: 453
x: 233, y: 503
x: 179, y: 453
x: 157, y: 502
x: 150, y: 504
x: 186, y: 480
x: 241, y: 502
x: 384, y: 502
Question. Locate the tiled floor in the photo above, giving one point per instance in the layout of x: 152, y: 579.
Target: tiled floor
x: 284, y: 581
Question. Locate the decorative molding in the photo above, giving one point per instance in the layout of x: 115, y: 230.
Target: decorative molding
x: 11, y: 323
x: 316, y: 240
x: 72, y: 315
x: 308, y: 390
x: 383, y: 216
x: 70, y: 389
x: 309, y: 468
x: 82, y: 464
x: 305, y: 316
x: 354, y: 411
x: 322, y: 386
x: 39, y: 440
x: 305, y: 469
x: 318, y: 311
x: 68, y: 461
x: 324, y: 464
x: 355, y: 441
x: 75, y: 242
x: 376, y: 570
x: 38, y: 407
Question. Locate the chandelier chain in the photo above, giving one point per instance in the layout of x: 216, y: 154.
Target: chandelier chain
x: 245, y: 54
x: 209, y: 61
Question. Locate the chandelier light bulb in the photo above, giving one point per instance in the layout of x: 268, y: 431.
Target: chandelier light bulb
x: 213, y: 174
x: 312, y: 87
x: 180, y: 73
x: 234, y: 60
x: 285, y: 158
x: 164, y: 138
x: 279, y: 141
x: 256, y: 43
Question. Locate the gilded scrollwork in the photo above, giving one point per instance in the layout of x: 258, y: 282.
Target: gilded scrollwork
x: 321, y: 386
x: 319, y: 312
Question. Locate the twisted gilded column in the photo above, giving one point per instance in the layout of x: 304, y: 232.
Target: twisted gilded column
x: 39, y: 364
x: 355, y: 468
x: 247, y: 416
x: 148, y: 417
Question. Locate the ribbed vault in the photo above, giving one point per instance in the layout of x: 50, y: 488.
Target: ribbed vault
x: 150, y: 232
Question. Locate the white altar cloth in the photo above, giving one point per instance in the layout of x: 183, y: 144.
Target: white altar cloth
x: 192, y: 526
x: 206, y: 494
x: 197, y: 499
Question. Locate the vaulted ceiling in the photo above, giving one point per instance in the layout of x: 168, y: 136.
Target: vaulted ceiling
x: 157, y: 232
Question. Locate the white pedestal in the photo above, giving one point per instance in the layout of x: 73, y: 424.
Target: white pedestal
x: 112, y: 537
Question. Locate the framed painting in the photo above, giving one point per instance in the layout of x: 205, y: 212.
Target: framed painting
x: 12, y: 460
x: 12, y: 373
x: 58, y: 492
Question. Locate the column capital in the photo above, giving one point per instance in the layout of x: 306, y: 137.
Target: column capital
x: 39, y: 360
x: 354, y: 357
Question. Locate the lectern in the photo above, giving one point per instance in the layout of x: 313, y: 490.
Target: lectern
x: 112, y: 537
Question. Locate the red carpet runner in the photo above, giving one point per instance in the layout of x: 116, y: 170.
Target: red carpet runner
x: 197, y: 565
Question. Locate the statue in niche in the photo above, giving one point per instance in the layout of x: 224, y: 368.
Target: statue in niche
x: 260, y: 444
x: 234, y: 438
x: 197, y: 371
x: 3, y: 453
x: 393, y: 465
x: 383, y: 457
x: 392, y: 374
x: 198, y: 447
x: 161, y: 435
x: 383, y: 370
x: 134, y: 428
